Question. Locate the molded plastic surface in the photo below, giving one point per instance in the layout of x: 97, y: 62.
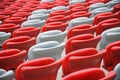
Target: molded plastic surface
x: 103, y: 16
x: 82, y: 59
x: 46, y: 49
x: 100, y: 10
x: 59, y: 8
x: 81, y: 29
x: 90, y: 74
x: 79, y: 14
x: 41, y: 11
x: 41, y: 16
x: 9, y: 27
x: 117, y: 70
x: 109, y: 36
x: 27, y: 31
x: 58, y: 12
x: 38, y: 69
x: 79, y: 21
x: 34, y: 22
x: 4, y: 36
x: 116, y: 8
x: 107, y: 24
x: 55, y: 26
x: 56, y: 18
x: 21, y: 14
x: 88, y: 40
x: 53, y: 35
x: 21, y: 42
x: 112, y: 57
x: 11, y: 58
x: 6, y: 75
x: 96, y: 5
x: 15, y: 20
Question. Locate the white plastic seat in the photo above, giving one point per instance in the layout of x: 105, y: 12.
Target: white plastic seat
x: 40, y: 16
x: 109, y: 36
x: 46, y: 49
x: 6, y: 75
x: 59, y: 8
x: 53, y: 35
x: 117, y: 70
x: 96, y: 5
x: 4, y: 36
x: 45, y: 11
x: 112, y: 3
x: 79, y: 21
x: 34, y: 22
x: 100, y: 10
x: 76, y: 1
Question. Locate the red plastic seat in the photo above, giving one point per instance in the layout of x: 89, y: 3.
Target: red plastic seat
x: 3, y: 17
x: 7, y: 12
x: 58, y: 3
x: 81, y: 41
x: 119, y: 15
x: 21, y: 14
x: 90, y: 2
x: 82, y: 59
x: 90, y: 74
x: 104, y: 16
x: 59, y: 12
x: 107, y: 24
x: 38, y: 69
x: 57, y: 18
x: 26, y: 9
x: 44, y: 5
x: 27, y: 31
x: 55, y: 26
x: 76, y: 5
x: 81, y: 29
x: 79, y: 14
x: 105, y: 1
x: 16, y: 20
x: 112, y: 57
x: 21, y: 42
x: 78, y: 9
x: 9, y: 27
x: 116, y: 8
x: 13, y: 7
x: 11, y: 58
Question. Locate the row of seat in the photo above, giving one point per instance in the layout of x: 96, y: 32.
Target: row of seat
x: 37, y: 40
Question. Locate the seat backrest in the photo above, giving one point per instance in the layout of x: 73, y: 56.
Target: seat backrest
x: 4, y: 36
x: 59, y: 25
x: 26, y: 31
x: 109, y: 36
x: 82, y: 59
x: 46, y: 49
x: 107, y: 24
x: 39, y: 69
x: 117, y: 70
x: 104, y: 16
x: 9, y: 27
x: 11, y: 58
x: 53, y: 35
x: 87, y: 39
x: 6, y: 75
x: 21, y: 42
x: 112, y: 56
x: 86, y: 74
x: 81, y: 29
